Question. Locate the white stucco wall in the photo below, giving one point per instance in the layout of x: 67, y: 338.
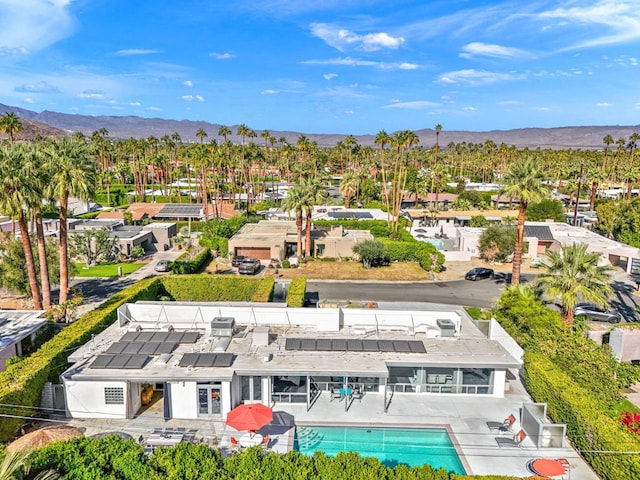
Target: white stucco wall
x: 184, y: 399
x: 86, y: 399
x: 499, y: 378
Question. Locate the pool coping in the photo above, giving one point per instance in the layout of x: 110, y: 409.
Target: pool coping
x: 447, y: 427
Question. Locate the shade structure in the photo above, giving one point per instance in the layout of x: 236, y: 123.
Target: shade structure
x: 249, y: 417
x: 547, y: 467
x: 43, y: 437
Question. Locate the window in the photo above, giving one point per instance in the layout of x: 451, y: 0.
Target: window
x: 114, y: 395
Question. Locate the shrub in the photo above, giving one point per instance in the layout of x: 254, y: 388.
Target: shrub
x: 194, y: 265
x: 264, y: 290
x: 296, y: 292
x: 429, y: 258
x: 371, y: 252
x: 213, y: 288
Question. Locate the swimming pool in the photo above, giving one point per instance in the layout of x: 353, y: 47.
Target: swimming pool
x: 436, y: 242
x: 392, y: 446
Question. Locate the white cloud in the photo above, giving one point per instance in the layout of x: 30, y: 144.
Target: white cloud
x: 135, y: 104
x: 354, y: 62
x: 28, y: 100
x: 221, y: 56
x: 475, y: 77
x: 342, y: 39
x: 471, y: 109
x: 637, y: 106
x: 620, y: 18
x: 540, y: 109
x: 414, y: 105
x: 31, y: 25
x: 268, y: 91
x: 154, y: 109
x: 39, y: 87
x: 135, y: 51
x: 329, y: 76
x: 92, y: 95
x: 604, y: 104
x: 192, y: 98
x: 489, y: 50
x: 349, y: 112
x: 188, y: 83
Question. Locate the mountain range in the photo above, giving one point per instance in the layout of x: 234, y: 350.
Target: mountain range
x: 48, y: 123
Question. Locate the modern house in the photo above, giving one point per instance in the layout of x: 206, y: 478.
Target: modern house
x: 206, y: 358
x: 278, y: 239
x: 16, y: 328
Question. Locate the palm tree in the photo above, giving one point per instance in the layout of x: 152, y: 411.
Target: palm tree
x: 72, y: 174
x: 315, y: 195
x: 523, y: 182
x: 349, y: 186
x: 10, y: 124
x: 573, y: 274
x: 17, y: 192
x: 15, y: 465
x: 201, y: 134
x: 296, y: 201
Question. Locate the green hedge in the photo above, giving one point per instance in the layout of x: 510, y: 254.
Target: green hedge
x: 296, y: 292
x: 194, y: 265
x: 217, y: 288
x: 378, y: 228
x: 602, y: 440
x: 22, y: 383
x: 429, y: 258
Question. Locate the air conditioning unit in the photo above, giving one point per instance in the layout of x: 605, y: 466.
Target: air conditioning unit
x: 222, y: 326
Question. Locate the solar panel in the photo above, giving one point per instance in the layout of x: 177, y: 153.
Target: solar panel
x: 149, y: 348
x: 324, y: 345
x: 355, y: 345
x: 307, y: 344
x: 339, y: 345
x: 101, y: 361
x: 133, y: 347
x: 417, y: 347
x: 370, y: 346
x: 174, y: 337
x: 116, y: 347
x: 119, y: 361
x: 350, y: 215
x: 385, y: 346
x: 292, y: 344
x: 144, y: 337
x: 165, y: 347
x: 223, y: 360
x: 189, y: 337
x: 401, y: 346
x: 189, y: 359
x: 129, y: 337
x: 136, y: 362
x: 160, y: 336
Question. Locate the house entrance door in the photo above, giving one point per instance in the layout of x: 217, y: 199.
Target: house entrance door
x: 209, y: 400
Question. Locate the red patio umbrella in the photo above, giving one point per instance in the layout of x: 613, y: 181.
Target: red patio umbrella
x: 251, y: 417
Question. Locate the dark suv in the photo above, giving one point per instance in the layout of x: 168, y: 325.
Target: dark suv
x: 237, y: 260
x: 478, y: 273
x: 594, y: 312
x: 249, y: 266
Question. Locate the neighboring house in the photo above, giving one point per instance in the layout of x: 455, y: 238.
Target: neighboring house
x: 180, y: 211
x: 278, y: 239
x: 331, y: 212
x: 207, y: 358
x: 16, y: 328
x: 625, y: 343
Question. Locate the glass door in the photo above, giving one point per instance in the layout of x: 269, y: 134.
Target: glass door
x: 209, y: 400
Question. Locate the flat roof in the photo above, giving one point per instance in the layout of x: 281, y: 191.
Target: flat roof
x: 249, y: 356
x: 18, y: 324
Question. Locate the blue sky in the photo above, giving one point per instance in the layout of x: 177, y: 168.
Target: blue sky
x: 327, y: 66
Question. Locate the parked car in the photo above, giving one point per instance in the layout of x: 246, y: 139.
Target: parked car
x: 250, y: 266
x: 162, y: 266
x: 595, y: 312
x: 479, y: 273
x: 237, y: 260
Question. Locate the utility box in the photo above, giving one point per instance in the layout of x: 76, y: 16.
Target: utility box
x: 222, y: 326
x: 447, y: 327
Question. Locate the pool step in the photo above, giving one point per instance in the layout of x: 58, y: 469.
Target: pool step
x: 307, y: 437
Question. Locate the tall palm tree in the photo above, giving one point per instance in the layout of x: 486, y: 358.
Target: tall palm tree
x: 315, y: 194
x: 573, y: 274
x: 201, y: 134
x: 72, y: 174
x: 17, y: 192
x: 10, y: 124
x: 523, y: 182
x: 296, y: 201
x: 349, y: 186
x: 15, y: 465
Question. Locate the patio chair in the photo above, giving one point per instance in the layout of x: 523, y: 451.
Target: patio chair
x: 515, y: 441
x: 336, y: 393
x: 357, y: 394
x: 265, y: 441
x: 503, y: 426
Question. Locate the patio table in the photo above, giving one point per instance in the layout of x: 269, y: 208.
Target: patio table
x: 249, y: 440
x: 164, y: 439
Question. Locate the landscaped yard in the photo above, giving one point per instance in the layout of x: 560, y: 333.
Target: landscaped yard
x: 355, y: 271
x: 106, y: 270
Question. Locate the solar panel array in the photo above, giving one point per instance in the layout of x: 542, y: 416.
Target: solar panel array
x: 354, y: 345
x: 348, y: 215
x: 178, y: 211
x: 207, y: 360
x: 146, y: 348
x: 129, y: 362
x: 189, y: 336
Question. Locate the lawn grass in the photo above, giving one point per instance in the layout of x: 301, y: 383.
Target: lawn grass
x: 624, y: 405
x: 106, y: 270
x: 345, y: 270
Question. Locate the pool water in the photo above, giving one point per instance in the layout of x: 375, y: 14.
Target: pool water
x: 436, y: 242
x: 392, y: 446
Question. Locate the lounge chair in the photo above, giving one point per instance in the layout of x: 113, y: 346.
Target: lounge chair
x: 336, y: 393
x: 357, y: 394
x: 504, y: 426
x: 265, y: 441
x: 515, y: 441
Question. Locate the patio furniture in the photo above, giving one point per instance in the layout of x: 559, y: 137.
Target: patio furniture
x: 248, y: 439
x: 336, y: 393
x: 249, y: 416
x: 265, y: 441
x: 515, y: 441
x: 164, y: 439
x: 549, y: 467
x: 357, y: 394
x: 503, y: 426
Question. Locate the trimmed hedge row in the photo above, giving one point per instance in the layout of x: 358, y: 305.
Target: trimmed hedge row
x: 194, y: 265
x: 602, y: 440
x: 212, y: 288
x: 22, y: 383
x: 296, y: 292
x: 378, y: 228
x: 429, y: 258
